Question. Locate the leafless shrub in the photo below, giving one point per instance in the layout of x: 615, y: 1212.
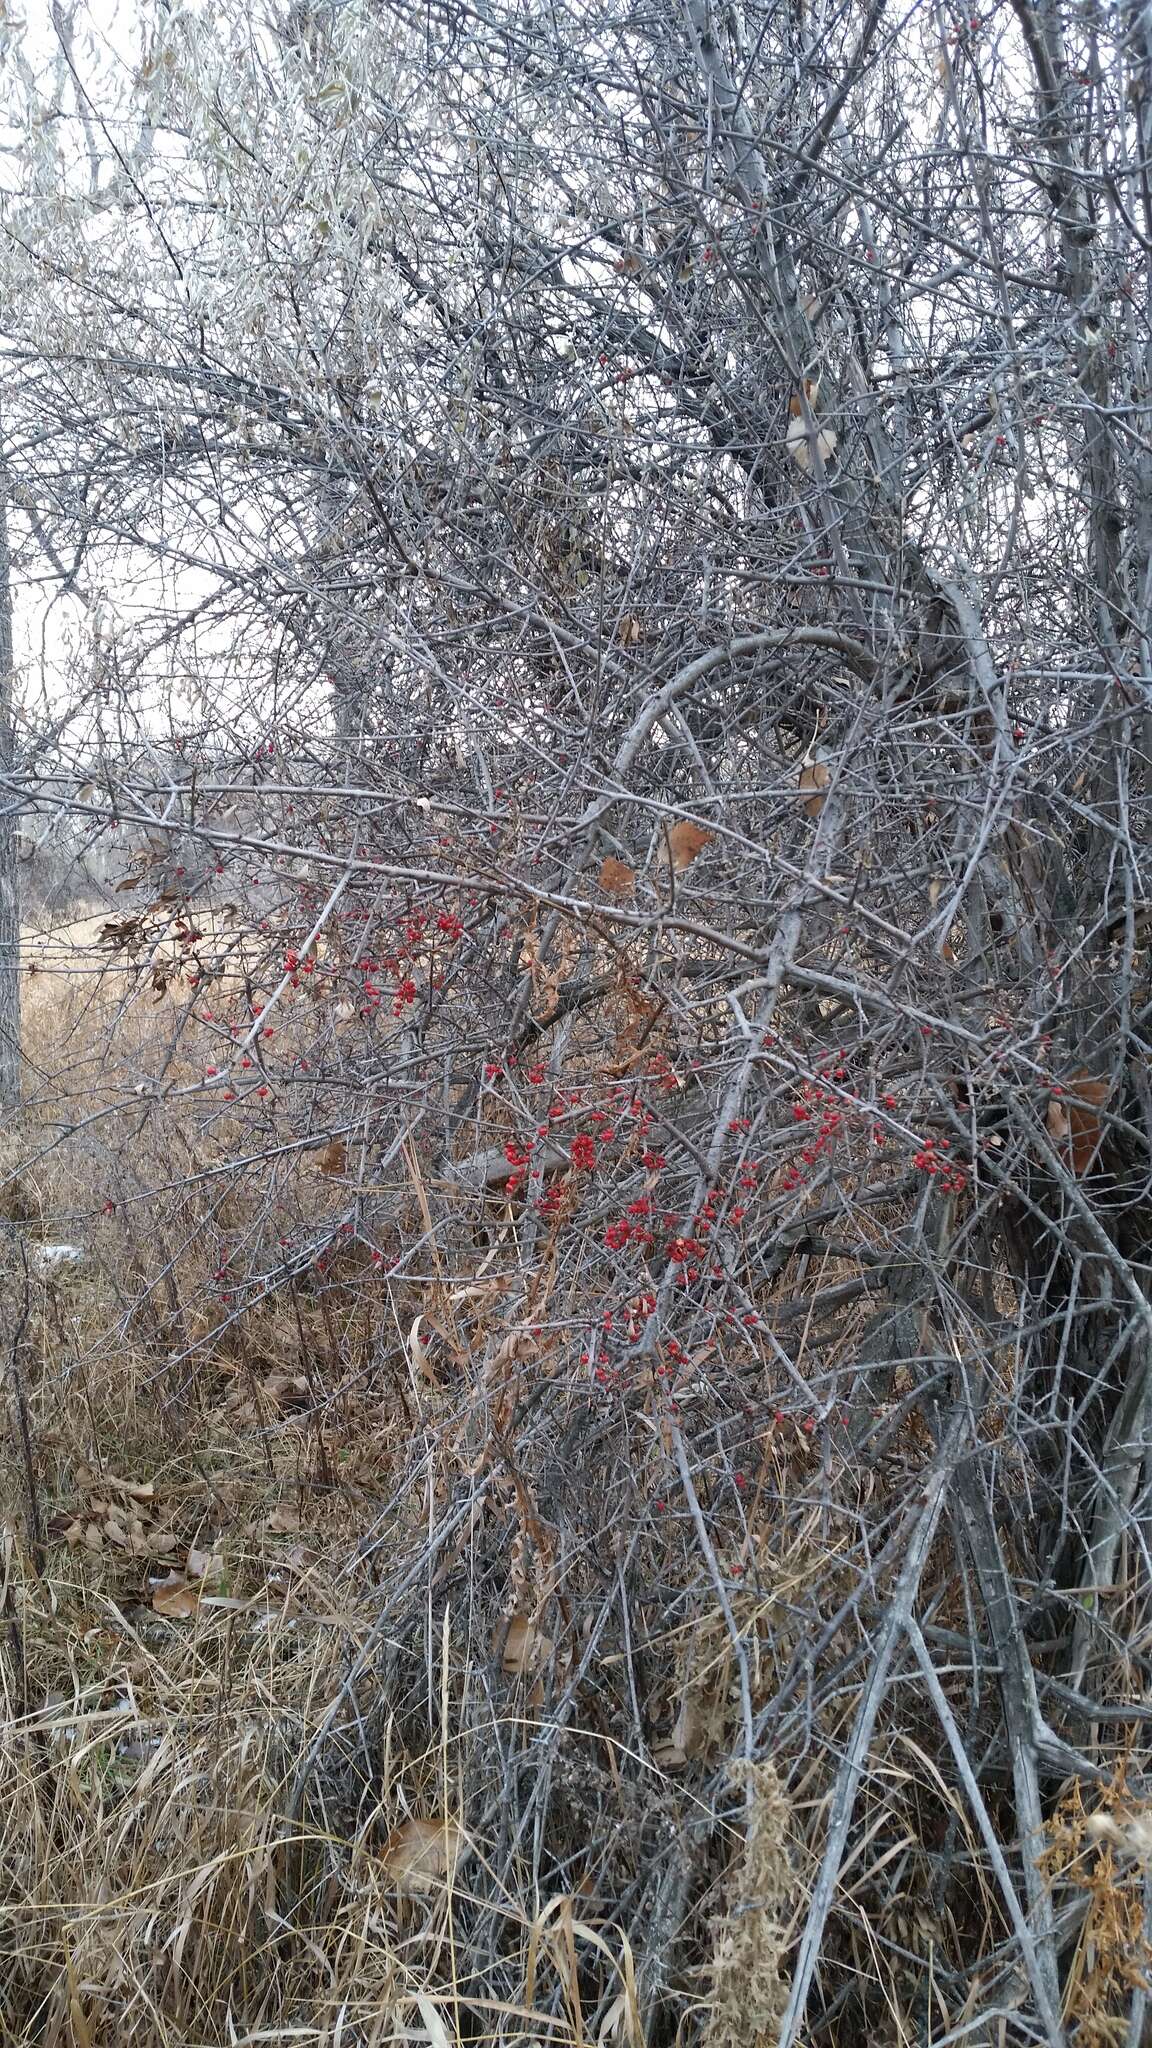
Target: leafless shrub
x: 606, y: 696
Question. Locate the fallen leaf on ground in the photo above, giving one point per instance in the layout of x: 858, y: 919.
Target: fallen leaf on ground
x: 175, y: 1598
x: 420, y: 1855
x: 287, y: 1391
x: 204, y: 1565
x: 133, y: 1488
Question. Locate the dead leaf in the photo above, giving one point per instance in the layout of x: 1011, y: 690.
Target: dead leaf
x: 138, y: 1540
x: 122, y: 932
x: 420, y: 1855
x: 1057, y: 1121
x: 418, y: 1348
x: 136, y: 1490
x: 285, y: 1520
x: 1075, y: 1117
x: 685, y: 841
x: 814, y: 779
x: 288, y: 1391
x: 797, y: 439
x: 800, y: 447
x: 699, y: 1723
x: 207, y: 1566
x: 129, y: 882
x: 524, y: 1648
x: 174, y: 1598
x: 935, y: 890
x: 545, y: 978
x: 616, y: 877
x: 334, y: 1157
x: 694, y: 1724
x: 629, y: 631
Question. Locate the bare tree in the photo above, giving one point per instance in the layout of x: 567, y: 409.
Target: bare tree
x: 640, y: 547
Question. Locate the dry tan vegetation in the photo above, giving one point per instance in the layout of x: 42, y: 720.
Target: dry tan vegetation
x: 185, y: 1590
x: 321, y: 1712
x: 182, y: 1592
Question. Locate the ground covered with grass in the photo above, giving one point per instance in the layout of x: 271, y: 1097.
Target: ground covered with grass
x: 372, y: 1675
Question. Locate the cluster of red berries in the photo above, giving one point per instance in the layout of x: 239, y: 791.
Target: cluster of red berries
x: 818, y: 1105
x: 950, y: 1176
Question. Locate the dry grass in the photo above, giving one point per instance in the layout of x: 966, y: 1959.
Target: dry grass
x: 147, y: 1754
x: 282, y: 1581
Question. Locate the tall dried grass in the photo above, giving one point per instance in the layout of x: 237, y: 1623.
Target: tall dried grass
x: 350, y: 1696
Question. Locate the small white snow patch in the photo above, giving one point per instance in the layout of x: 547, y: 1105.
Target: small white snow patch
x: 50, y: 1258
